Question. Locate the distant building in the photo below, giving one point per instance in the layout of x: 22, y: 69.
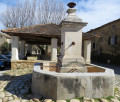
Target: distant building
x: 107, y: 47
x: 4, y: 38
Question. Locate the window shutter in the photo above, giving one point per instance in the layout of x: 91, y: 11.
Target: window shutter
x: 93, y: 45
x: 115, y: 39
x: 109, y: 38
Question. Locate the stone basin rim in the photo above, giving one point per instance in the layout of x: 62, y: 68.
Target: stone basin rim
x: 108, y: 72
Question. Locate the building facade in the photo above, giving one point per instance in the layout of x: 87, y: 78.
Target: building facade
x: 4, y: 38
x: 107, y: 47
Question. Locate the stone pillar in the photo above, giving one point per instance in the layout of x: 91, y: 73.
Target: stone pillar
x: 46, y: 49
x: 22, y: 49
x: 87, y: 51
x: 54, y: 49
x: 15, y: 48
x: 71, y: 41
x: 29, y: 48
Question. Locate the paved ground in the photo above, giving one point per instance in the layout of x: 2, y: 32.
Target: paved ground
x: 115, y: 68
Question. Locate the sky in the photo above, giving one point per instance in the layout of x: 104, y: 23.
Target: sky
x: 95, y: 12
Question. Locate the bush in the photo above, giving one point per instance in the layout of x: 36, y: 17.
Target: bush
x: 4, y: 47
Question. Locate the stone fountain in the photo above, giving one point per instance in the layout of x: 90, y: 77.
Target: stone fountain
x: 73, y: 78
x: 71, y: 40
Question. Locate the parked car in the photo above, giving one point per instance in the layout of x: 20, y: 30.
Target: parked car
x: 7, y: 53
x: 2, y: 64
x: 6, y: 60
x: 8, y: 56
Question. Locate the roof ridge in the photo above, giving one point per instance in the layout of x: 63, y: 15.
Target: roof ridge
x: 103, y: 25
x: 6, y: 35
x: 28, y: 26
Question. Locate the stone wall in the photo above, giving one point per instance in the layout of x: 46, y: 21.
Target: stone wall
x: 24, y: 63
x: 45, y: 65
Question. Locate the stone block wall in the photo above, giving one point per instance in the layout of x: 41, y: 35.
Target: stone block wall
x: 23, y: 63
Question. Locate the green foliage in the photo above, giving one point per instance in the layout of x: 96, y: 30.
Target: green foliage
x: 116, y: 90
x: 68, y: 100
x: 118, y: 98
x: 81, y: 99
x: 109, y: 98
x: 4, y: 47
x: 96, y: 100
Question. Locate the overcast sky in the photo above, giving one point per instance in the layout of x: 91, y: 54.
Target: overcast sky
x: 95, y: 12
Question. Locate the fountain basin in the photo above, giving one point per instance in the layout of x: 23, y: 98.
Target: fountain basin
x: 96, y: 83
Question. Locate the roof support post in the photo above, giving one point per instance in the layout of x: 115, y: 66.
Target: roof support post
x: 87, y: 51
x: 15, y: 47
x: 29, y: 48
x: 54, y: 49
x: 22, y: 49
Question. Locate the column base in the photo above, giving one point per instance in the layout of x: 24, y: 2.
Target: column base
x: 71, y: 64
x: 73, y: 69
x: 88, y: 62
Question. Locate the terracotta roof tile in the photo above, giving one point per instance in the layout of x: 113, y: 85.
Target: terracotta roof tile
x: 36, y: 29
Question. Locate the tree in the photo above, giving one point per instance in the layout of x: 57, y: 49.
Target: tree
x: 4, y: 47
x: 31, y: 13
x: 50, y: 11
x: 20, y: 15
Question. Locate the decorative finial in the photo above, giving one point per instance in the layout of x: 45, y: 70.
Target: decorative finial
x: 71, y: 5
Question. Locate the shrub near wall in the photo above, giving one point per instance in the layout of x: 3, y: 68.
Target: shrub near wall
x: 4, y: 47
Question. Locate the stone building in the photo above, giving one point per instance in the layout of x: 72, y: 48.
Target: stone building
x: 107, y: 47
x: 4, y: 38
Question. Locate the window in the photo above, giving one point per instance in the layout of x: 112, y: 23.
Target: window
x: 93, y: 46
x: 94, y: 33
x: 113, y: 26
x: 112, y: 40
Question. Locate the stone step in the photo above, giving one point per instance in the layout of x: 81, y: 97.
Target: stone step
x: 103, y: 100
x: 61, y: 101
x: 74, y: 100
x: 115, y: 100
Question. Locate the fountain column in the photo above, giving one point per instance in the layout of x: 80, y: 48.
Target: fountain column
x: 29, y: 48
x: 15, y: 47
x: 22, y: 49
x: 71, y: 40
x: 54, y: 49
x: 87, y: 51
